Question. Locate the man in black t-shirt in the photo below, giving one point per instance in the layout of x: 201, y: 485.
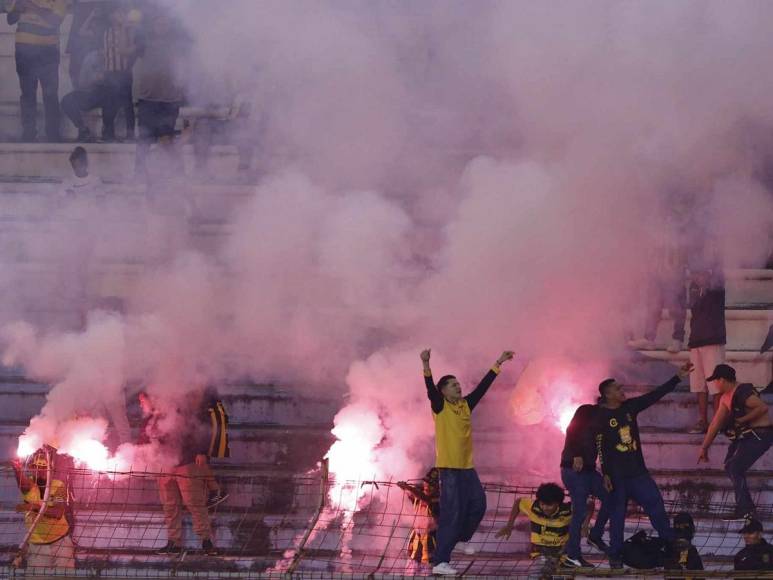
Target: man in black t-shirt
x: 625, y: 473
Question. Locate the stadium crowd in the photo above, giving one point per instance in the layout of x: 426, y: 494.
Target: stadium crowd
x: 606, y: 431
x: 132, y: 58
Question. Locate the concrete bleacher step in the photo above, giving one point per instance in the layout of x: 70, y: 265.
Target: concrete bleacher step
x: 749, y: 286
x: 114, y: 160
x: 747, y: 327
x: 246, y: 404
x: 677, y: 410
x: 301, y: 448
x: 750, y: 365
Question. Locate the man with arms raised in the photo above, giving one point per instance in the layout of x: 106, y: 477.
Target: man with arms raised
x: 749, y: 429
x: 462, y: 499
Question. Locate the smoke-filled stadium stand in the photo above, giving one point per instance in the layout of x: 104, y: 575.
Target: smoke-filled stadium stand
x: 285, y: 514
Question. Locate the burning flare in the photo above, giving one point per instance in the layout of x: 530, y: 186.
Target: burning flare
x: 358, y: 432
x: 79, y: 438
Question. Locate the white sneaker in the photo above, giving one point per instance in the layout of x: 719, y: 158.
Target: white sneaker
x: 641, y: 344
x: 444, y: 569
x: 674, y: 346
x: 466, y: 548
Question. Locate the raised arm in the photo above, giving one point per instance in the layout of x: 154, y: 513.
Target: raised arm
x: 477, y: 394
x: 639, y: 404
x: 435, y: 396
x: 25, y: 483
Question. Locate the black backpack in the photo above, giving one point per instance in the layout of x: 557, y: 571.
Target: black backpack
x: 643, y: 552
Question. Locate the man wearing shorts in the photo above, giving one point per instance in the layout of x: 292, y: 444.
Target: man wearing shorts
x: 707, y: 338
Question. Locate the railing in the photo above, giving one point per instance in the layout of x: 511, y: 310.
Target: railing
x: 284, y: 525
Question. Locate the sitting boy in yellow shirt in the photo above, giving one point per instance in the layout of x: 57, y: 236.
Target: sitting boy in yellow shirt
x: 549, y: 517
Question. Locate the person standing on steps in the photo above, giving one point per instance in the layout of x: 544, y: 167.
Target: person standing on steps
x: 462, y: 499
x: 625, y: 474
x: 37, y: 61
x: 747, y: 421
x: 708, y: 336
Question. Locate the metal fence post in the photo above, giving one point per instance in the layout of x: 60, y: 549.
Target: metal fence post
x: 299, y: 552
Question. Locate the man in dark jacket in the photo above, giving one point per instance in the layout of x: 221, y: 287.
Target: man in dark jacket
x: 625, y: 473
x: 708, y: 337
x: 578, y: 472
x: 758, y: 554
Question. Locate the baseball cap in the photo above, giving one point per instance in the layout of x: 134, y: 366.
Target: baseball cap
x: 752, y: 525
x: 722, y: 372
x: 684, y: 525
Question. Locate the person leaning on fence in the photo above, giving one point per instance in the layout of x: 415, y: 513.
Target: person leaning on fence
x: 550, y: 518
x: 462, y: 499
x: 50, y: 544
x: 426, y: 504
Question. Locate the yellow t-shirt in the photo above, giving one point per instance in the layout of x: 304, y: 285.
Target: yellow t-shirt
x: 47, y: 531
x: 453, y: 427
x: 453, y: 436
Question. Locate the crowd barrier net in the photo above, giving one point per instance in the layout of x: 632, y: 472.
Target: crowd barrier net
x: 303, y: 525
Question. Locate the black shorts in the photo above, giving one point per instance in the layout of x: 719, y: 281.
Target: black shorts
x: 156, y: 119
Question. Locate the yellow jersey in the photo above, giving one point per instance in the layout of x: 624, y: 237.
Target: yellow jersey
x: 47, y: 530
x: 39, y: 25
x: 547, y: 531
x: 453, y: 425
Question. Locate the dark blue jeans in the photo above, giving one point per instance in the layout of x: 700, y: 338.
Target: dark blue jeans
x: 741, y: 455
x: 38, y: 65
x: 580, y: 486
x: 644, y: 491
x: 462, y: 507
